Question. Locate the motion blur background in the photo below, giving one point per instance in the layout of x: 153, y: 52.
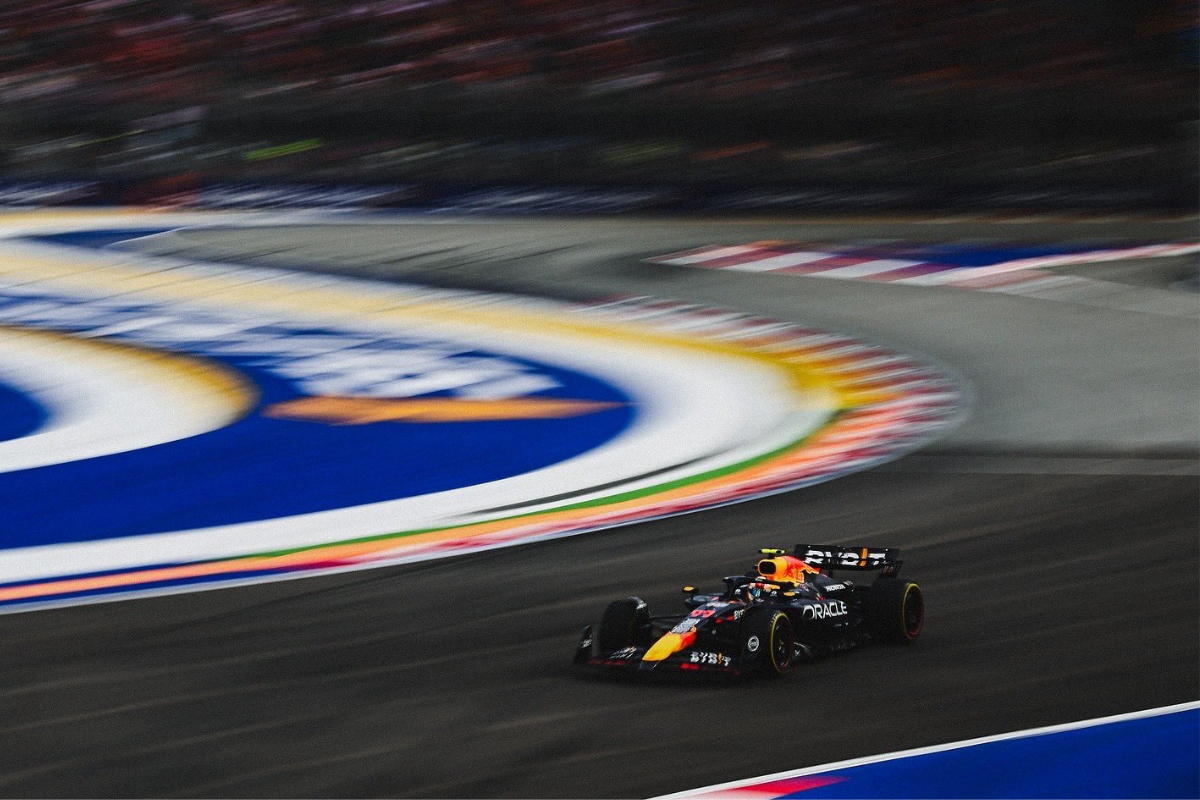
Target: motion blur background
x: 450, y: 678
x: 770, y: 104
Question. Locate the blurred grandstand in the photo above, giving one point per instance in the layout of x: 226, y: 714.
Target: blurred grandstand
x: 906, y: 102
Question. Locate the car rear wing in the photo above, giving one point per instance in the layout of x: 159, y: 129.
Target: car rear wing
x: 828, y: 557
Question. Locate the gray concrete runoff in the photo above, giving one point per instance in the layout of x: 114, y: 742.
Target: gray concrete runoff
x: 1046, y: 375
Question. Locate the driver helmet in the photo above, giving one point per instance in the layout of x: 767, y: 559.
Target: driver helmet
x: 757, y: 589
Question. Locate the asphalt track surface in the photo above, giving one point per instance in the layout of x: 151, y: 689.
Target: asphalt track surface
x: 1055, y: 535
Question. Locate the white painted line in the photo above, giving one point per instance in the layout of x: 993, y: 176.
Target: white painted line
x: 937, y: 748
x: 867, y: 268
x: 103, y: 399
x: 707, y: 409
x: 1090, y: 256
x: 690, y: 405
x: 780, y: 262
x: 705, y: 254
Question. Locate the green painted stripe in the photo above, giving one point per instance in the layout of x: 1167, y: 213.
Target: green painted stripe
x: 601, y: 501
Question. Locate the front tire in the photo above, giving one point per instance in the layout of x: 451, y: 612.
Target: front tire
x: 895, y: 611
x: 626, y: 623
x: 768, y: 643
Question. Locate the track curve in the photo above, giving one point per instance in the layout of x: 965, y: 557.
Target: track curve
x: 1073, y: 485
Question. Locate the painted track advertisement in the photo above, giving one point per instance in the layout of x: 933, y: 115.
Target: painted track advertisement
x: 171, y: 425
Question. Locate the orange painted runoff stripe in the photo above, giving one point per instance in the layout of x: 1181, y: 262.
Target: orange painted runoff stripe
x: 335, y: 552
x: 367, y: 410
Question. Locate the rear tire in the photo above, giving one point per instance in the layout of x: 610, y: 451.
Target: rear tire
x: 768, y: 643
x: 626, y: 623
x: 895, y: 611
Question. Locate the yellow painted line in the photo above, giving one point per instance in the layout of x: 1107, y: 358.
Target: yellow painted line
x: 804, y: 376
x: 397, y: 545
x: 808, y: 370
x: 237, y: 392
x: 811, y: 370
x: 811, y: 453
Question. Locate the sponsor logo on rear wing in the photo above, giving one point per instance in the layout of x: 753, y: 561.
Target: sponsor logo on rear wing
x: 832, y: 556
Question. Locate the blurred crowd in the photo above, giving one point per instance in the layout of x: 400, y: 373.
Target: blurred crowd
x: 205, y: 51
x: 598, y: 161
x: 197, y: 87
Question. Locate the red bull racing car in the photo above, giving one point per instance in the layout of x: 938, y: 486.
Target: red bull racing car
x: 787, y: 608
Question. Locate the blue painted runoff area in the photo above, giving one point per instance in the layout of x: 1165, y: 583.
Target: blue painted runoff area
x: 20, y: 415
x: 972, y: 254
x: 1149, y: 757
x: 96, y: 240
x: 261, y: 466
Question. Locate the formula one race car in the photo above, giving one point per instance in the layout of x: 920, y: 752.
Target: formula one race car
x: 785, y: 609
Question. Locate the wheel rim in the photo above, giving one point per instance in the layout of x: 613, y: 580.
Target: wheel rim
x: 781, y: 648
x: 914, y: 612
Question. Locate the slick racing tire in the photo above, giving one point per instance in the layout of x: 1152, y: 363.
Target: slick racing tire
x: 768, y: 643
x: 625, y: 623
x: 895, y: 611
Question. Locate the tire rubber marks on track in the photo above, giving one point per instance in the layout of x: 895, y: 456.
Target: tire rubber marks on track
x: 1020, y: 464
